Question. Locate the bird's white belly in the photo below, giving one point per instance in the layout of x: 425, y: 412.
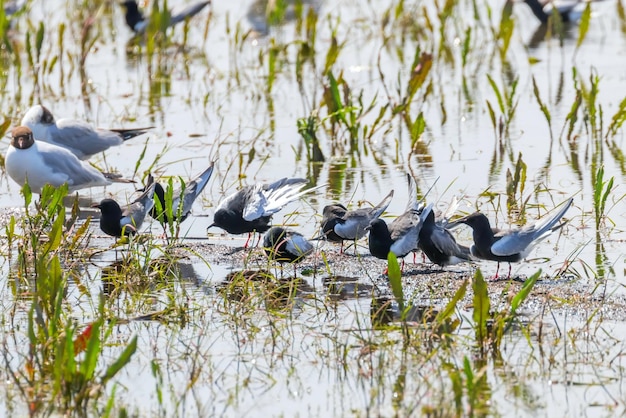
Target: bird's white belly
x: 22, y: 165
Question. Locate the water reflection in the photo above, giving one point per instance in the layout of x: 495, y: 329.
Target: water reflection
x: 384, y: 311
x: 277, y: 294
x: 344, y: 288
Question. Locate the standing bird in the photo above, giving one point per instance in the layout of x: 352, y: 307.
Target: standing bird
x: 439, y: 245
x: 82, y: 139
x: 340, y: 224
x: 251, y: 208
x: 509, y: 246
x: 400, y: 237
x: 285, y: 245
x: 41, y: 163
x: 118, y: 222
x: 138, y: 23
x: 187, y: 196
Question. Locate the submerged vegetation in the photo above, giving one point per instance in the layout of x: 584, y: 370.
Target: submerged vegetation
x: 353, y: 95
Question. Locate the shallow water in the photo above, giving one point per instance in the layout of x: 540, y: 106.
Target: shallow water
x: 213, y: 104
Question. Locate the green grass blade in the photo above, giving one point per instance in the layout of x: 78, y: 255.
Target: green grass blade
x: 122, y: 361
x: 395, y: 278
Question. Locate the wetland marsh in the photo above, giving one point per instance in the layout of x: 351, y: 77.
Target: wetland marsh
x: 474, y: 98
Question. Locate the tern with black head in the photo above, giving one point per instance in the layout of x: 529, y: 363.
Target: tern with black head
x: 439, y: 245
x: 568, y: 10
x: 340, y: 224
x: 138, y: 23
x: 186, y: 195
x: 285, y: 245
x: 117, y: 221
x: 509, y: 246
x: 251, y: 208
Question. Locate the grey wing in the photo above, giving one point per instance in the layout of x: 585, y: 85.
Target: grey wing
x: 189, y: 11
x: 77, y: 173
x: 297, y: 244
x: 354, y: 224
x: 193, y: 190
x: 405, y: 232
x: 135, y: 213
x: 513, y: 242
x: 519, y: 241
x: 444, y: 241
x: 80, y: 136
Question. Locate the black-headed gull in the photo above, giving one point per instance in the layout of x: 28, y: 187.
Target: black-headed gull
x: 82, y: 139
x: 41, y: 163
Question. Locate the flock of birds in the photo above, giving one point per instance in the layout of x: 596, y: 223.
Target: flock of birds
x: 44, y: 150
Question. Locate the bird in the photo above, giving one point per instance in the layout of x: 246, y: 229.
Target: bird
x: 41, y: 163
x: 509, y: 246
x: 568, y: 10
x: 138, y: 23
x: 285, y: 246
x: 188, y: 195
x: 119, y: 222
x: 340, y: 224
x: 251, y: 208
x: 400, y: 237
x: 78, y: 136
x: 439, y: 245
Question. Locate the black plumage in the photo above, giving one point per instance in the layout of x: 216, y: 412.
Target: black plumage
x: 251, y: 208
x: 187, y: 195
x: 285, y: 246
x: 513, y: 245
x: 116, y: 221
x: 439, y: 245
x: 136, y: 20
x: 339, y: 224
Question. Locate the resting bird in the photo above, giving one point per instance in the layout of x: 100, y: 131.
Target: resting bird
x: 251, y: 208
x: 138, y: 23
x: 118, y: 222
x: 41, y: 163
x: 285, y: 245
x: 439, y: 245
x: 511, y: 246
x: 188, y: 195
x: 339, y: 224
x: 568, y: 10
x: 400, y: 237
x: 77, y: 136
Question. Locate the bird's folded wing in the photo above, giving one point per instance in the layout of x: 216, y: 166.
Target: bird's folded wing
x: 62, y: 162
x: 513, y: 243
x: 81, y: 136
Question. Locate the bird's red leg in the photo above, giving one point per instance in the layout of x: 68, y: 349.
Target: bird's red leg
x: 245, y: 246
x: 509, y: 276
x: 341, y: 249
x: 497, y: 271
